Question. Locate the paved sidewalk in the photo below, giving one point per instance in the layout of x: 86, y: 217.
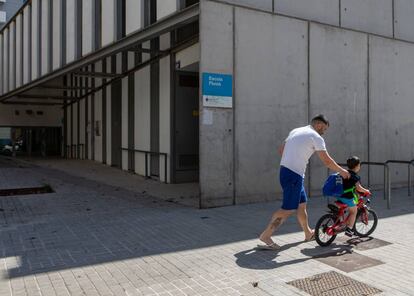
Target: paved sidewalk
x: 90, y: 238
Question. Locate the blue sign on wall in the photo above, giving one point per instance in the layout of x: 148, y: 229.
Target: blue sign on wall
x: 217, y: 90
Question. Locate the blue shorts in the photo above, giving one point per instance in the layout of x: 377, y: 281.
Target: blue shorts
x: 350, y: 202
x: 293, y: 189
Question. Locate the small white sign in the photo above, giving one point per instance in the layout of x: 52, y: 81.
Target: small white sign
x: 207, y: 117
x: 217, y: 101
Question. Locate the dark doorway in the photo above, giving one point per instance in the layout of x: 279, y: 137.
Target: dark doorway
x: 186, y: 142
x: 34, y: 141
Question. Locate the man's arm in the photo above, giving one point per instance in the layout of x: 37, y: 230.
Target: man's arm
x: 281, y: 148
x: 330, y: 163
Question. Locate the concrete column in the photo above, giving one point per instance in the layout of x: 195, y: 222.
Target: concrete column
x: 216, y: 136
x: 26, y: 44
x: 19, y: 49
x: 57, y: 30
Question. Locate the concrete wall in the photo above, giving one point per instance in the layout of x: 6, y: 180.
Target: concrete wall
x: 216, y: 139
x: 360, y: 81
x: 384, y: 17
x: 338, y: 88
x: 325, y: 11
x: 391, y: 104
x: 266, y: 97
x: 403, y: 19
x: 373, y: 16
x: 262, y: 4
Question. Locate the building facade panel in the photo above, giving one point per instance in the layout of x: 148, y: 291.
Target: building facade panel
x: 216, y: 42
x: 12, y: 56
x: 19, y: 48
x: 108, y: 22
x: 403, y: 19
x: 338, y: 89
x: 57, y: 34
x: 134, y: 15
x: 5, y: 60
x: 391, y: 104
x: 373, y: 16
x: 324, y: 11
x: 45, y: 37
x: 35, y: 51
x: 70, y: 30
x: 266, y: 97
x: 142, y: 118
x: 87, y: 26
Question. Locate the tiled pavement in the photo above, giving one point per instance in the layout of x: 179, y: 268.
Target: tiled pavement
x: 90, y: 238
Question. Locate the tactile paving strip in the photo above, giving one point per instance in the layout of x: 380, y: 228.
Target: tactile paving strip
x: 333, y: 284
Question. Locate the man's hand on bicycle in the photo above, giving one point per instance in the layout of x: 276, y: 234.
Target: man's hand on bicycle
x: 344, y: 174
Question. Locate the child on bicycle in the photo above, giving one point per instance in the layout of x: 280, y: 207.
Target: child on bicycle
x: 351, y: 187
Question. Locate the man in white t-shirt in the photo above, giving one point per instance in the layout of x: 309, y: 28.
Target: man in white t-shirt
x: 296, y: 150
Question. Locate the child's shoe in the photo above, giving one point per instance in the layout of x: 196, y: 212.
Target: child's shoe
x: 349, y: 232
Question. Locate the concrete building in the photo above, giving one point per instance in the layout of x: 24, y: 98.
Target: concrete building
x: 205, y: 91
x: 8, y: 8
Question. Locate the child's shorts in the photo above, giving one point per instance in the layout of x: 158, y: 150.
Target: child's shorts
x: 350, y: 202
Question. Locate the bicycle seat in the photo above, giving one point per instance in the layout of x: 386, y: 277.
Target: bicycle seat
x: 340, y: 205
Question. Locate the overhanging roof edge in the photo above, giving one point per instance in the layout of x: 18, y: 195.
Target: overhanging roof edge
x: 162, y: 26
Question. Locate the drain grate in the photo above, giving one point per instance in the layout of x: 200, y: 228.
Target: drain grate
x: 26, y: 191
x: 333, y: 284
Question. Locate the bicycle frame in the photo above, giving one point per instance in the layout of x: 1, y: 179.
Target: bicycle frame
x: 342, y: 219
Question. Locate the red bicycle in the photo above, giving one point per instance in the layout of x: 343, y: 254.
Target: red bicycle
x: 329, y: 225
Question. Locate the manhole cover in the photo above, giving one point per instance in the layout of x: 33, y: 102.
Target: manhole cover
x: 333, y: 283
x: 364, y: 243
x: 348, y: 262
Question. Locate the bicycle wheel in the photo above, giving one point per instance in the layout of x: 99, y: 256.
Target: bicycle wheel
x: 322, y: 238
x: 365, y: 223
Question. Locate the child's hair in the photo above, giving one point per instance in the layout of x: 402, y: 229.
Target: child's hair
x: 352, y: 162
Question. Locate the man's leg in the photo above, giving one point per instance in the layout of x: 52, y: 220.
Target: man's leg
x: 277, y: 219
x: 302, y: 216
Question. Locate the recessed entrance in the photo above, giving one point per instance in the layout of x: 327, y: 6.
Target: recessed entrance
x: 186, y: 125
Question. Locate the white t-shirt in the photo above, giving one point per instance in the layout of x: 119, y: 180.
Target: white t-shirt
x: 301, y: 143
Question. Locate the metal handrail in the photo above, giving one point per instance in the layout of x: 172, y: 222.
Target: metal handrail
x: 409, y: 177
x: 82, y: 146
x: 146, y: 160
x: 69, y: 148
x: 410, y: 163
